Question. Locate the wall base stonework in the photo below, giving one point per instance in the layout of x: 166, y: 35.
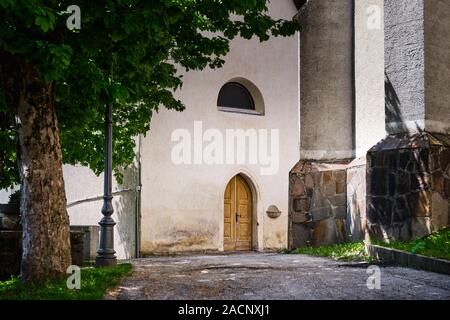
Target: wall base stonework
x: 327, y: 202
x: 317, y: 203
x: 10, y: 217
x: 356, y: 221
x: 91, y: 235
x: 11, y: 251
x: 401, y: 193
x: 408, y: 186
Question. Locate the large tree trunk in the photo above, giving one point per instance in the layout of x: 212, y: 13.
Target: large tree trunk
x: 46, y: 231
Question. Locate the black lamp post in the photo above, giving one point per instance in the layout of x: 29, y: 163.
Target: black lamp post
x: 106, y: 253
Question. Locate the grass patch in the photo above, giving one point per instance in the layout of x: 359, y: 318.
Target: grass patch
x: 436, y: 245
x: 345, y: 251
x: 94, y: 283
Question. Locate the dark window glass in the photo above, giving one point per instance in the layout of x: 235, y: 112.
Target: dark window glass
x: 235, y: 95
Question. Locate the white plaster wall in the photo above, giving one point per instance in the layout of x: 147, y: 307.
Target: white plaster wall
x: 84, y: 190
x: 82, y: 185
x: 369, y: 75
x: 4, y: 195
x: 182, y: 205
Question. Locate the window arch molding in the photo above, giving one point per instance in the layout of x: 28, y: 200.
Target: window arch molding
x: 256, y: 99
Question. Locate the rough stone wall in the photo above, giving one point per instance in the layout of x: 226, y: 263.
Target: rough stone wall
x: 407, y: 172
x: 406, y: 177
x: 326, y: 79
x: 404, y: 65
x: 10, y: 253
x: 437, y: 66
x: 9, y: 221
x: 408, y: 186
x: 91, y: 235
x: 318, y: 212
x: 417, y: 51
x: 317, y: 208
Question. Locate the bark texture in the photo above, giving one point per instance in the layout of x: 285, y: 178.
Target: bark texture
x: 46, y: 231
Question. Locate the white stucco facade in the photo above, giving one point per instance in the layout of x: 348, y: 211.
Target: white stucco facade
x: 84, y: 191
x: 182, y: 206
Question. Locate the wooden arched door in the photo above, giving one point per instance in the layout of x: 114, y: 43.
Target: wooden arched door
x: 238, y: 215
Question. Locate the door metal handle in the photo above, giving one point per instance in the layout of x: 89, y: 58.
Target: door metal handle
x: 236, y: 214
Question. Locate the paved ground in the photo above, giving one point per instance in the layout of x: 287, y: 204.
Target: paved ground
x: 272, y: 276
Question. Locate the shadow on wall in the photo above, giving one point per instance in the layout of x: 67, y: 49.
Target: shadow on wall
x: 408, y: 186
x: 395, y: 121
x: 300, y: 3
x: 408, y: 178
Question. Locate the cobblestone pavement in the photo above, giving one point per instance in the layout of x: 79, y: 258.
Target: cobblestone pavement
x: 272, y: 276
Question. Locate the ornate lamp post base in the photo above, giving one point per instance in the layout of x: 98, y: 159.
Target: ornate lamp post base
x: 105, y: 262
x: 106, y: 254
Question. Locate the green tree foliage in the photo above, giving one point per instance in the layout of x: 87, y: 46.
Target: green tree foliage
x: 143, y: 44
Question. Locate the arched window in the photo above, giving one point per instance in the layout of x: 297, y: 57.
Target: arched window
x: 234, y: 95
x: 240, y: 95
